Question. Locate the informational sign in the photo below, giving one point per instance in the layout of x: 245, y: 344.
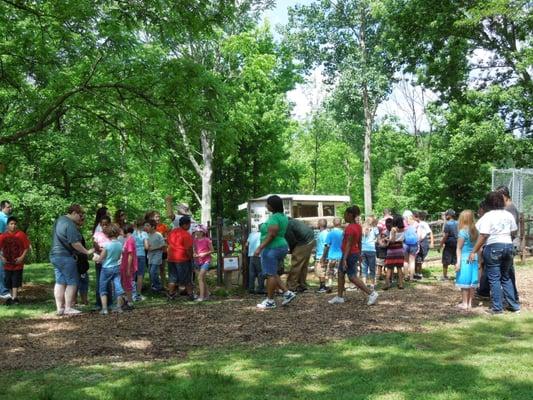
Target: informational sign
x: 259, y: 212
x: 231, y: 263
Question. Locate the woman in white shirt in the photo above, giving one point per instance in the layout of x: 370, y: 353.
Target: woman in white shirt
x: 495, y: 228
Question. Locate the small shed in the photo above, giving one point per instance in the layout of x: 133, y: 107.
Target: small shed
x: 309, y: 208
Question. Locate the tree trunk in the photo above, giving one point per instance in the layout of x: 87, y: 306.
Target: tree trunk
x: 367, y: 172
x: 207, y: 177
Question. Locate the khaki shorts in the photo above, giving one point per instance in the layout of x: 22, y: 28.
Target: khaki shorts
x: 321, y: 268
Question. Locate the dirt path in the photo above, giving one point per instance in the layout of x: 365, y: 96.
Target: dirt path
x: 175, y: 329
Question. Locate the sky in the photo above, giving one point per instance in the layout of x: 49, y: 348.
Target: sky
x: 307, y: 97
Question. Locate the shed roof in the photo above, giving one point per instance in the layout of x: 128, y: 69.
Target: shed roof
x: 303, y: 197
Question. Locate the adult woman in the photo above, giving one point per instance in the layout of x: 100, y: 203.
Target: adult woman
x: 273, y: 249
x: 66, y: 242
x: 495, y: 228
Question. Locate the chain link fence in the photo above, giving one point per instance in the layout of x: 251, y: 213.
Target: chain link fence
x: 520, y: 184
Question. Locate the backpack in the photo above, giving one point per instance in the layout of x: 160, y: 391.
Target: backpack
x: 411, y: 237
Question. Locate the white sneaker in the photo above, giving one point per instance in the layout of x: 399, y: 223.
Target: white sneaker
x: 71, y: 311
x: 267, y: 304
x: 336, y: 300
x: 5, y: 296
x: 372, y: 298
x: 288, y: 297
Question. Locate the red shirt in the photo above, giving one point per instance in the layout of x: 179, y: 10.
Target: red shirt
x: 179, y: 243
x: 162, y: 229
x: 13, y: 245
x: 355, y: 231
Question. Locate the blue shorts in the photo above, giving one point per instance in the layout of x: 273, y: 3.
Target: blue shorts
x: 270, y: 259
x: 180, y: 272
x: 351, y: 265
x: 410, y: 249
x: 203, y: 267
x: 141, y: 265
x: 65, y: 270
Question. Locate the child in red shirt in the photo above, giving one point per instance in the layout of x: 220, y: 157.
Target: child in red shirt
x: 14, y: 245
x: 180, y: 255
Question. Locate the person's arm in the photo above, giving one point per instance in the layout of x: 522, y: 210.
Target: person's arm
x: 346, y: 251
x: 325, y: 253
x: 271, y: 235
x: 80, y: 249
x: 129, y: 270
x: 146, y: 244
x: 459, y: 251
x: 431, y: 239
x: 168, y: 206
x: 20, y: 260
x: 481, y: 240
x: 98, y: 258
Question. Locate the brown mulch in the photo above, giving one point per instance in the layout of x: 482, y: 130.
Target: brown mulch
x: 156, y: 333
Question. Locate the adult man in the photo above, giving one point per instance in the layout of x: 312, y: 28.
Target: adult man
x: 301, y: 240
x: 181, y: 211
x: 425, y: 238
x: 5, y: 211
x: 66, y: 242
x: 448, y: 243
x: 180, y: 255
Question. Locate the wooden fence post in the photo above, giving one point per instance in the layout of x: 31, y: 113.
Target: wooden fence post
x: 244, y: 255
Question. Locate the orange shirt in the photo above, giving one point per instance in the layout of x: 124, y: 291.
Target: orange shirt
x: 179, y: 245
x: 13, y: 245
x: 162, y: 229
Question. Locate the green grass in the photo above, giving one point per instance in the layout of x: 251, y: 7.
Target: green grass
x: 476, y: 359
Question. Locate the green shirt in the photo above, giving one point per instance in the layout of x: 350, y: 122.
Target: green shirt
x: 280, y: 220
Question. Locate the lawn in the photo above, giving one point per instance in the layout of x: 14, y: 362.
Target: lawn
x: 464, y: 357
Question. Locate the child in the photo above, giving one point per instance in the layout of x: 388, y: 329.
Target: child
x: 110, y: 260
x: 156, y: 244
x: 448, y: 243
x: 99, y: 240
x: 368, y: 250
x: 333, y: 250
x: 255, y: 272
x: 410, y: 244
x: 467, y: 272
x: 320, y: 264
x: 351, y: 250
x: 202, y: 249
x: 425, y: 238
x: 395, y: 256
x: 141, y: 245
x: 128, y: 265
x: 15, y: 245
x: 180, y: 258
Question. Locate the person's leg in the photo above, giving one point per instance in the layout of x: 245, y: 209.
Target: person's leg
x: 139, y: 275
x: 103, y: 289
x: 272, y: 285
x: 154, y: 277
x: 412, y: 258
x: 470, y: 297
x: 445, y: 262
x: 98, y: 271
x: 340, y: 283
x: 464, y: 299
x: 59, y: 295
x: 119, y: 290
x: 307, y: 251
x: 351, y: 271
x: 297, y: 263
x: 320, y: 272
x: 372, y: 268
x: 492, y: 257
x: 400, y: 278
x: 70, y: 297
x: 162, y: 268
x: 252, y: 275
x: 364, y: 266
x: 388, y: 278
x: 202, y: 284
x: 4, y: 292
x: 508, y: 288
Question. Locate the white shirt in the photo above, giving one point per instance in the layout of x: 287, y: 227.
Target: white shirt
x: 423, y: 230
x: 498, y: 224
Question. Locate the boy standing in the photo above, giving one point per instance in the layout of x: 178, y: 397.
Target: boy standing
x: 320, y: 264
x: 14, y: 245
x: 180, y: 253
x: 156, y: 243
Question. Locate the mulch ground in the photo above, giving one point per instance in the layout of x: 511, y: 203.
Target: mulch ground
x: 156, y: 333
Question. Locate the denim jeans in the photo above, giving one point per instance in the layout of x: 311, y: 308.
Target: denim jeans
x: 3, y: 289
x: 368, y: 264
x: 255, y: 272
x: 498, y: 259
x: 108, y: 275
x: 98, y: 269
x: 155, y: 280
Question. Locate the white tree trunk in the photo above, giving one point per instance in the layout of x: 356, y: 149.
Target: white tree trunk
x: 207, y: 176
x: 367, y: 171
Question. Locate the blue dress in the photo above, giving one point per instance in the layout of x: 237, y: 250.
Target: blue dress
x: 467, y: 277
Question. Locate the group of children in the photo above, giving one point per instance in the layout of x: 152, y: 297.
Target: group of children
x: 124, y: 251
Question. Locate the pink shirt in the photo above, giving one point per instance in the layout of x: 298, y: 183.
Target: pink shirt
x: 128, y: 248
x: 201, y: 246
x: 100, y: 239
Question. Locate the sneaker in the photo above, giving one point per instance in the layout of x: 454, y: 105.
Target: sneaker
x: 9, y: 302
x: 351, y: 288
x: 513, y: 311
x: 322, y: 289
x: 71, y: 311
x: 104, y: 311
x: 372, y: 298
x: 336, y: 300
x: 117, y: 310
x: 199, y: 299
x: 6, y: 296
x: 288, y: 297
x: 139, y: 297
x: 16, y: 301
x: 417, y: 277
x: 60, y: 312
x: 267, y: 304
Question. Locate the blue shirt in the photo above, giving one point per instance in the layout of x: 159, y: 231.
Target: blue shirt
x: 140, y: 237
x: 3, y: 221
x: 254, y: 240
x: 368, y: 242
x: 320, y: 242
x: 334, y: 242
x: 450, y: 227
x: 113, y: 251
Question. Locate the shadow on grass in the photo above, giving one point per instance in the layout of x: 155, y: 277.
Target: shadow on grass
x: 481, y: 359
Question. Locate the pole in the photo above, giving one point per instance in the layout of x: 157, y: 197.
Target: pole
x: 220, y: 259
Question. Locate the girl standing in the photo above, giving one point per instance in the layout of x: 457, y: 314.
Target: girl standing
x: 467, y: 271
x: 395, y: 255
x: 128, y: 265
x: 202, y: 250
x: 368, y: 251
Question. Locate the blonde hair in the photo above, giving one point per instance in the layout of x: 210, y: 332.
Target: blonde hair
x: 466, y: 221
x: 369, y: 224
